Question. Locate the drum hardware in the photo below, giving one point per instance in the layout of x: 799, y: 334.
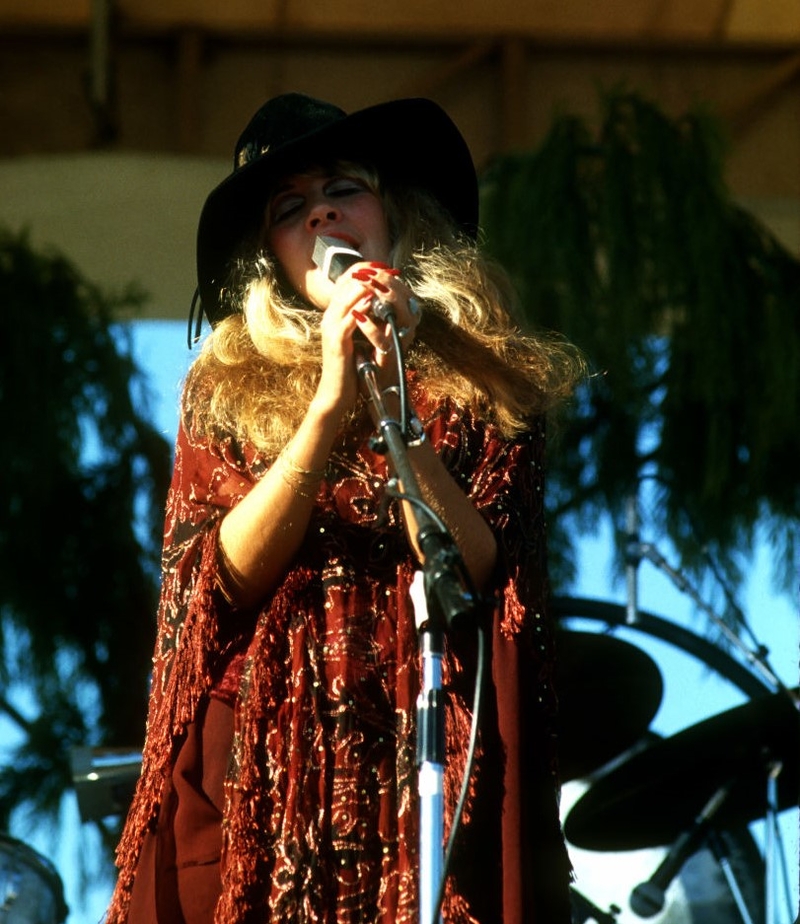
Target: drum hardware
x: 651, y: 797
x: 722, y: 877
x: 636, y: 550
x: 704, y: 891
x: 614, y: 615
x: 585, y: 910
x: 609, y: 692
x: 756, y: 657
x: 720, y: 850
x: 646, y: 799
x: 633, y: 558
x: 774, y: 770
x: 31, y: 890
x: 648, y: 898
x: 104, y: 780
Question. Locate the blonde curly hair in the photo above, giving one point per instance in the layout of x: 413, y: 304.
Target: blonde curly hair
x: 260, y: 366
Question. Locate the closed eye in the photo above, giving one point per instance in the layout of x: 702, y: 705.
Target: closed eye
x: 288, y: 202
x: 345, y: 186
x: 285, y: 207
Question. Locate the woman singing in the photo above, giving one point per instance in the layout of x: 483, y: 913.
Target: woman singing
x: 279, y: 777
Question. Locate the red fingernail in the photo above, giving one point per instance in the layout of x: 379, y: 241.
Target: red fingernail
x: 379, y: 285
x: 393, y: 272
x: 383, y: 266
x: 358, y: 315
x: 363, y: 275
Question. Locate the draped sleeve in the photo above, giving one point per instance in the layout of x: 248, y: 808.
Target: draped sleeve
x: 196, y: 627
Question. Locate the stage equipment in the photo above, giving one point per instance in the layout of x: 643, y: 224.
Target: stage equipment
x: 104, y: 780
x: 31, y: 891
x: 609, y: 692
x: 689, y: 796
x: 659, y: 793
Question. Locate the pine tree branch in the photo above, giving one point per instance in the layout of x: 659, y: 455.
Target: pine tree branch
x: 15, y: 715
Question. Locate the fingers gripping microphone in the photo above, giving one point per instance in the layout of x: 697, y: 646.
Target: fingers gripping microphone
x: 647, y: 899
x: 333, y: 257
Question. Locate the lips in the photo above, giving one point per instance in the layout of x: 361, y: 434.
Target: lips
x: 340, y: 236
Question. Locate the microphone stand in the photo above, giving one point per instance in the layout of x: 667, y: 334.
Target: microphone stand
x: 447, y: 597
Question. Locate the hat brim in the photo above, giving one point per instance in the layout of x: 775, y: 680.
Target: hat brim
x: 410, y: 141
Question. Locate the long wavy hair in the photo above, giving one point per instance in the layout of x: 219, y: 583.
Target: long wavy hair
x: 260, y: 366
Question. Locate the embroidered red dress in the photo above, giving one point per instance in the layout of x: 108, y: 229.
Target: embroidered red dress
x: 320, y: 806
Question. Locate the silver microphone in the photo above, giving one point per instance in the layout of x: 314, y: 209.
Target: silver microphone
x: 333, y: 257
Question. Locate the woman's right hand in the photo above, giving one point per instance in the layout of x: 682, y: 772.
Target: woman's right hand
x: 350, y: 301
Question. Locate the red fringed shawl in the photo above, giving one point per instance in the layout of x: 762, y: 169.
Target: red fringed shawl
x: 320, y: 821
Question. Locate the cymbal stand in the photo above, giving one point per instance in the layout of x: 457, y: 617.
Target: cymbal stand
x: 632, y: 560
x: 722, y: 855
x: 772, y: 850
x: 757, y: 657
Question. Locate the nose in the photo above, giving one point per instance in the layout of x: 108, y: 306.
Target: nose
x: 321, y: 212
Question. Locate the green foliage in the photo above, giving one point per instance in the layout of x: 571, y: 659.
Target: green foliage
x: 85, y: 477
x: 626, y: 240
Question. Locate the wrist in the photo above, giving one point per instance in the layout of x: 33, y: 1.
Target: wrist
x: 325, y: 410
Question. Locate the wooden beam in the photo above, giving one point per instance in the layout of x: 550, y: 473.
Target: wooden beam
x: 705, y: 20
x: 655, y: 18
x: 741, y: 116
x: 723, y: 18
x: 294, y: 38
x: 100, y: 73
x: 469, y: 57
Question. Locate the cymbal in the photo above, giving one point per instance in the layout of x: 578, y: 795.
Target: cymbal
x: 608, y: 693
x: 653, y: 796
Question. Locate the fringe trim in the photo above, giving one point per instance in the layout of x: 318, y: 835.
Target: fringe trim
x: 188, y: 678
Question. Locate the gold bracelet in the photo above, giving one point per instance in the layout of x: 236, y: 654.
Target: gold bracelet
x: 295, y: 485
x: 297, y: 478
x: 228, y: 579
x: 314, y: 474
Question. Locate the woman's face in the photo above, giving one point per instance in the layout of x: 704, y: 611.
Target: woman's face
x: 306, y: 205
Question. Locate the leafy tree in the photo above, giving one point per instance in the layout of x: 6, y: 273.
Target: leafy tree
x: 85, y: 476
x: 625, y: 238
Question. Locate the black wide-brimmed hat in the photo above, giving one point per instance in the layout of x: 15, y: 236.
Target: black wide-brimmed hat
x: 409, y: 141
